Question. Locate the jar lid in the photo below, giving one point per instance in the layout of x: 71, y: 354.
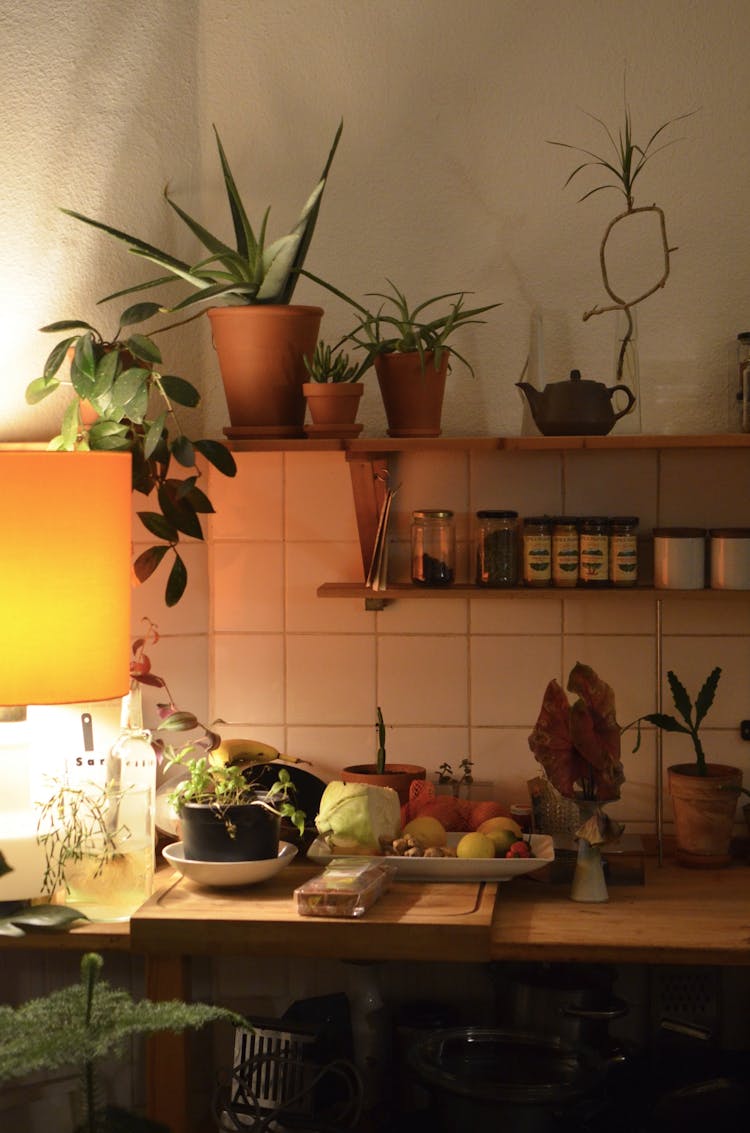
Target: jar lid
x: 730, y: 533
x: 497, y: 515
x: 543, y: 520
x: 595, y: 521
x: 630, y: 520
x: 566, y: 520
x: 427, y: 513
x: 680, y: 532
x: 744, y: 336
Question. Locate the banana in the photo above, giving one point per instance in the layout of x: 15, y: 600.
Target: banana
x: 245, y: 753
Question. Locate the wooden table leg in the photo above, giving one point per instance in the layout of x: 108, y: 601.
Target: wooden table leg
x: 167, y: 1081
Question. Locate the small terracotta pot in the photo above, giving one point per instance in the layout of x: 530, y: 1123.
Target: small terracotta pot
x: 704, y: 809
x: 333, y: 408
x: 412, y: 396
x: 399, y: 776
x: 260, y: 350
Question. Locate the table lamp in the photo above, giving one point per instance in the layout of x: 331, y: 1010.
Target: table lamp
x: 65, y: 523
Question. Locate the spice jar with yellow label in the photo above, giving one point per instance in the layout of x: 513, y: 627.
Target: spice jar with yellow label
x: 537, y: 550
x: 565, y: 551
x: 623, y: 550
x: 594, y: 551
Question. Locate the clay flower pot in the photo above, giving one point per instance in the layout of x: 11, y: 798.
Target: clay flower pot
x: 399, y: 776
x: 261, y: 351
x: 704, y: 807
x: 333, y: 408
x: 412, y: 396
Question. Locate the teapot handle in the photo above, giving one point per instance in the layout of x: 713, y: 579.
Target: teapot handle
x: 631, y: 399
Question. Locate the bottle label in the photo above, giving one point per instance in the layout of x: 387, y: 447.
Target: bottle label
x: 565, y: 558
x: 537, y: 559
x: 623, y: 551
x: 594, y: 558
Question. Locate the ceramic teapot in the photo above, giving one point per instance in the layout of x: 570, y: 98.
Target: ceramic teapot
x: 575, y: 407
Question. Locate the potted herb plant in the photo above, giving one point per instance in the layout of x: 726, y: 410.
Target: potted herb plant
x: 408, y: 348
x: 84, y: 1023
x: 704, y: 795
x: 333, y: 391
x: 259, y: 336
x: 399, y: 776
x: 125, y: 402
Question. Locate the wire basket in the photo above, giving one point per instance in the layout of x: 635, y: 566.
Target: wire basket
x: 551, y: 812
x: 280, y: 1080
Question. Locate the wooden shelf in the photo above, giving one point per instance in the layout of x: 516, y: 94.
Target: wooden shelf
x: 364, y: 446
x: 489, y: 593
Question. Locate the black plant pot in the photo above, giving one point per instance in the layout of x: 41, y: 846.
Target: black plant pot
x: 249, y: 832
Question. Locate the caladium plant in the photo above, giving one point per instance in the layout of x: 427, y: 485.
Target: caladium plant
x: 578, y: 744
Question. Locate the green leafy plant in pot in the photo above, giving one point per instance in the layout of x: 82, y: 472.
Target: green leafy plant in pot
x: 399, y: 776
x: 123, y: 401
x: 333, y: 391
x: 704, y: 795
x: 247, y: 288
x: 409, y: 349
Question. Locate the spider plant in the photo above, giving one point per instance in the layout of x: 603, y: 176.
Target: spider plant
x: 404, y: 328
x: 253, y: 271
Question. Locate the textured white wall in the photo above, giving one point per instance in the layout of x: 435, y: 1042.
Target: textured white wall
x: 444, y: 178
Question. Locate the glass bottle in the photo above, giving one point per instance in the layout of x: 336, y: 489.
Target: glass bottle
x: 565, y: 555
x: 623, y: 550
x: 594, y: 551
x: 497, y: 548
x: 433, y: 548
x: 537, y: 550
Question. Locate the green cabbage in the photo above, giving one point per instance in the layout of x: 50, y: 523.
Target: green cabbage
x: 356, y: 816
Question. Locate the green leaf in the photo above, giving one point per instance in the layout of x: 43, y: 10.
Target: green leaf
x: 7, y: 928
x: 83, y: 367
x: 48, y: 918
x: 183, y: 452
x: 199, y: 501
x: 682, y: 701
x: 40, y: 388
x: 153, y: 435
x: 138, y: 313
x: 158, y: 526
x: 4, y: 867
x: 67, y: 324
x: 147, y: 562
x: 179, y: 390
x: 128, y: 385
x: 666, y: 723
x: 105, y: 374
x: 143, y: 348
x: 57, y: 356
x: 218, y: 455
x: 70, y: 425
x: 176, y: 582
x: 179, y: 722
x: 706, y: 695
x: 179, y: 512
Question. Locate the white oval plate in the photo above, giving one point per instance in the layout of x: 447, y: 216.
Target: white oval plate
x: 222, y: 874
x: 455, y: 869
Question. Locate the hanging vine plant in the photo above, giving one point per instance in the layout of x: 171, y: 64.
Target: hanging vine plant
x: 624, y: 166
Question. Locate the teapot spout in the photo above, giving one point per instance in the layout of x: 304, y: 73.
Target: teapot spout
x: 533, y: 396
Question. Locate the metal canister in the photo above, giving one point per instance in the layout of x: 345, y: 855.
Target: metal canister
x: 433, y: 547
x: 565, y: 553
x: 594, y: 551
x: 623, y: 550
x: 537, y: 550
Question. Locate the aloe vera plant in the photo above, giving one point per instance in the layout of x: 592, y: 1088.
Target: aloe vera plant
x: 332, y: 364
x: 404, y: 328
x: 253, y: 271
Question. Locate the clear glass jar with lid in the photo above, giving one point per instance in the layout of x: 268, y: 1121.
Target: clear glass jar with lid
x: 565, y: 554
x: 497, y: 548
x: 433, y: 547
x: 537, y: 550
x: 594, y: 551
x: 623, y: 550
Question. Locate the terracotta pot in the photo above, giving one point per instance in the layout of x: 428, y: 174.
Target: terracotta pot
x: 333, y: 408
x: 399, y: 776
x: 704, y: 809
x: 260, y: 350
x: 413, y: 397
x: 206, y: 835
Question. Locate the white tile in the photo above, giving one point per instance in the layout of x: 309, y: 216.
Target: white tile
x: 502, y: 756
x: 423, y: 615
x: 182, y: 661
x: 612, y: 483
x: 430, y: 480
x: 693, y: 658
x: 509, y: 674
x: 307, y: 566
x: 248, y: 678
x: 330, y: 748
x: 515, y: 615
x: 248, y: 587
x: 704, y: 489
x: 529, y: 483
x: 330, y: 679
x: 625, y: 663
x: 717, y: 616
x: 608, y: 613
x: 423, y: 680
x: 319, y: 500
x: 428, y: 747
x: 249, y: 505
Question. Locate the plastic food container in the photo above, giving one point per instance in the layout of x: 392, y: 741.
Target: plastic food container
x: 730, y: 558
x: 347, y: 887
x: 679, y: 558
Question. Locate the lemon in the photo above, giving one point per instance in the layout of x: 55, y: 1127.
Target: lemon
x: 502, y: 840
x: 500, y: 823
x: 427, y: 830
x: 475, y: 845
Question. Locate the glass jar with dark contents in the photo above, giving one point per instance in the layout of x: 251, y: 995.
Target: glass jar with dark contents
x: 433, y: 547
x: 497, y: 548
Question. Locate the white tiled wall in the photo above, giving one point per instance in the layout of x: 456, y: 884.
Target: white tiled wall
x: 453, y: 677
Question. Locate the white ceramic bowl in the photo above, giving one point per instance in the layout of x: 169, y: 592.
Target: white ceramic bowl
x: 222, y: 874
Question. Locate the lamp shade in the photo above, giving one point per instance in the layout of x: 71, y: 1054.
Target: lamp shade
x: 65, y: 531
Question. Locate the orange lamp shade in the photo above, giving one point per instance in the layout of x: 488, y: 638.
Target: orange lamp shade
x: 65, y: 542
